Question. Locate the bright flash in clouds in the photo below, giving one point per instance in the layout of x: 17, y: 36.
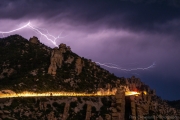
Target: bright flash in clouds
x: 47, y: 35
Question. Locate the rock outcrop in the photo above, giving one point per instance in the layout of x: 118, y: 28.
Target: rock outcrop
x: 56, y: 58
x: 118, y: 111
x: 79, y: 65
x: 88, y: 112
x: 34, y: 40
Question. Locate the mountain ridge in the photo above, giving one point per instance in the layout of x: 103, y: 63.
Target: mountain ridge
x: 28, y: 65
x: 33, y: 55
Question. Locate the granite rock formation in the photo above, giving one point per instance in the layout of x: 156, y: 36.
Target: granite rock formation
x: 79, y: 65
x: 118, y: 111
x: 56, y: 59
x: 34, y: 40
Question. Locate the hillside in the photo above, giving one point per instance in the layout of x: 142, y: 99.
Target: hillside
x: 28, y: 65
x: 24, y: 66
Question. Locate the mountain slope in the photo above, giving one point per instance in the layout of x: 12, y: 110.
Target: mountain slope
x: 28, y: 65
x: 24, y: 66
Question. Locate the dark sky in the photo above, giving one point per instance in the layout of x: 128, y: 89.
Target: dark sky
x: 129, y: 33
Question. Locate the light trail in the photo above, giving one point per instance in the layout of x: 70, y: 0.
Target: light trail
x: 132, y: 69
x: 11, y: 94
x: 129, y: 93
x: 36, y: 29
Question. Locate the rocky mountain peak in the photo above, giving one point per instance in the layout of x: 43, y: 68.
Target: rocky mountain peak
x: 34, y: 40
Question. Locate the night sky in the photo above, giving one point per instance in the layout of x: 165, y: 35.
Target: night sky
x: 129, y: 33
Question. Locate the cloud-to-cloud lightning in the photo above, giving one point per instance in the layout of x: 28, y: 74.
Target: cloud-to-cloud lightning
x: 48, y: 36
x: 132, y: 69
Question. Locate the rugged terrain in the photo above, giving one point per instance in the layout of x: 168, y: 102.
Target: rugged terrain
x: 28, y: 65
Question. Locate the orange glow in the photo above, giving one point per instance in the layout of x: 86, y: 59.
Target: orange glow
x: 101, y: 92
x: 129, y: 93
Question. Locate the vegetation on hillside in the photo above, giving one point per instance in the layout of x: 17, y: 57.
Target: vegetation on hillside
x: 29, y: 62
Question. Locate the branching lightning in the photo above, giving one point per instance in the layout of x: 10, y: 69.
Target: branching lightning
x: 119, y: 68
x: 48, y: 36
x: 53, y: 39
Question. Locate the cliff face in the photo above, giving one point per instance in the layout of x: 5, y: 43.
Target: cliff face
x: 147, y: 105
x: 56, y: 59
x: 31, y: 66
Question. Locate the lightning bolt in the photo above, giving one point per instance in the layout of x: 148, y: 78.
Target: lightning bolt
x: 116, y: 67
x: 48, y: 36
x: 112, y: 64
x: 53, y: 39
